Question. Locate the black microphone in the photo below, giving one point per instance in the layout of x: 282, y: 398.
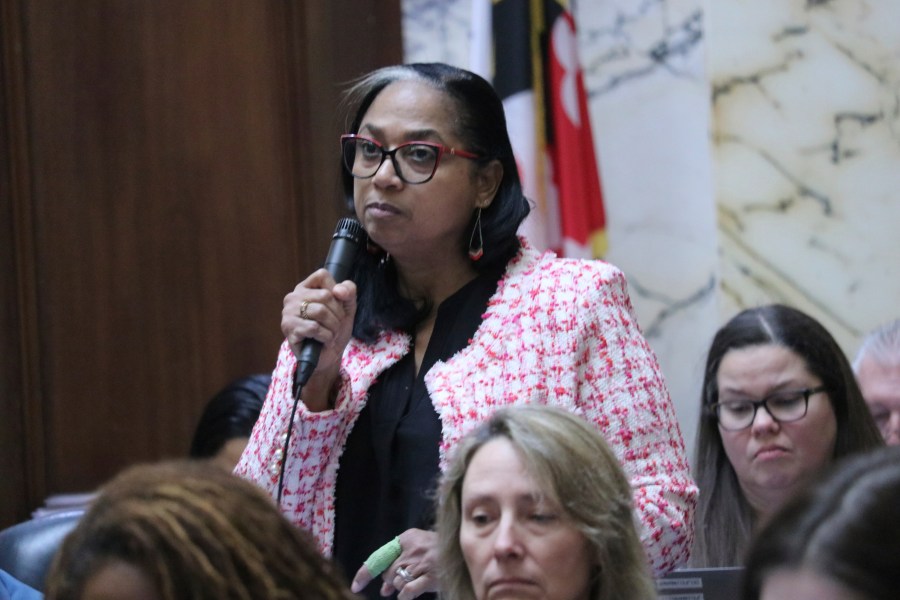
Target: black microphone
x: 339, y: 263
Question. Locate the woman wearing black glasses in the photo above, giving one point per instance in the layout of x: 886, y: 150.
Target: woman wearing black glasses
x: 448, y: 316
x: 780, y: 403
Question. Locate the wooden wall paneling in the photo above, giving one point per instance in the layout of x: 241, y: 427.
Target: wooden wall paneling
x: 333, y: 43
x: 21, y: 463
x: 180, y: 168
x: 165, y: 218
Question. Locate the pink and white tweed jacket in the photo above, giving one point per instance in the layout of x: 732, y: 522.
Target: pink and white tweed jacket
x: 556, y: 331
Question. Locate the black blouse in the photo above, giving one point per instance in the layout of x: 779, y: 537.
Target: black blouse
x: 388, y: 472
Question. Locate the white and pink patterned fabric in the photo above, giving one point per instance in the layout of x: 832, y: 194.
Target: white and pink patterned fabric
x: 557, y: 331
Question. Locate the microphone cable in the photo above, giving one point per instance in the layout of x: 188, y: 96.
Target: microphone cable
x: 339, y: 262
x: 287, y: 442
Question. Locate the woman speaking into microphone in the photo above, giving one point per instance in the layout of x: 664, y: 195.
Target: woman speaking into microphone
x: 448, y: 315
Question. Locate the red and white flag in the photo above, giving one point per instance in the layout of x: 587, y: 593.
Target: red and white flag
x: 528, y: 50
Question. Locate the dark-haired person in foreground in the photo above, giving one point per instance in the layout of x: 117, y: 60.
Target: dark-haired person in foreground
x: 838, y: 540
x: 449, y: 316
x: 188, y: 531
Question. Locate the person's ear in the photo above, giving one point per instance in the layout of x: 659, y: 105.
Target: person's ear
x: 487, y: 182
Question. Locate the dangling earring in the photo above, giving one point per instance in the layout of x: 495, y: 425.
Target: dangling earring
x: 476, y: 246
x: 377, y: 251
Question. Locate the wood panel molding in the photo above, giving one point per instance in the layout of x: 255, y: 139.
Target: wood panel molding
x: 22, y: 460
x: 170, y: 171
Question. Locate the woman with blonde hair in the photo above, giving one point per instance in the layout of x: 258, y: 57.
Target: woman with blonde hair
x: 535, y: 504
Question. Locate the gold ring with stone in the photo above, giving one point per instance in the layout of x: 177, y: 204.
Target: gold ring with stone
x: 303, y: 314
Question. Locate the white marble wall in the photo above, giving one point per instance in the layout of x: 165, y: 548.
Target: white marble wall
x: 644, y: 70
x: 748, y: 150
x: 806, y: 98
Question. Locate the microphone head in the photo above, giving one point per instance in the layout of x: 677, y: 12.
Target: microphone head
x: 349, y: 228
x: 345, y: 243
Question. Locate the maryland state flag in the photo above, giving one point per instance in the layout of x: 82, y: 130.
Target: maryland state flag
x: 528, y: 49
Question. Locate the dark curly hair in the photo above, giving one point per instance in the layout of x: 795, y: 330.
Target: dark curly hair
x: 198, y: 533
